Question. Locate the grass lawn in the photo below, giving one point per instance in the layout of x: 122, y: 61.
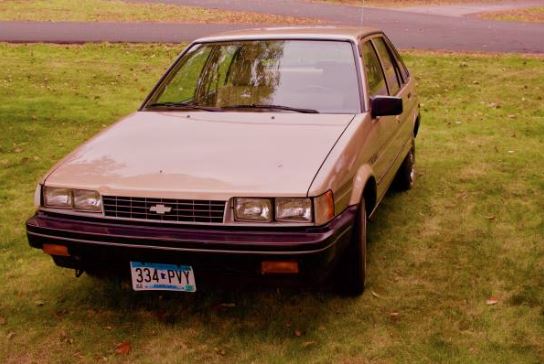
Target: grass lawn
x: 470, y: 230
x: 121, y: 11
x: 534, y: 15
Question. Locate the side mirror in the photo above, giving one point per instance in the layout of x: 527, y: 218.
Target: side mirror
x: 386, y: 106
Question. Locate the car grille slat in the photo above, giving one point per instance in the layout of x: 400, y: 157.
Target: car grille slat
x: 162, y: 209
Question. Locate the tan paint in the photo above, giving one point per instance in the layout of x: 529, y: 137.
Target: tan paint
x: 296, y: 32
x: 204, y: 155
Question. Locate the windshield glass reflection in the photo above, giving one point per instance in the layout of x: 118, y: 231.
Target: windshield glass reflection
x: 304, y: 76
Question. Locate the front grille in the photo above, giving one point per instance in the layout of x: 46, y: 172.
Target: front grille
x: 162, y: 209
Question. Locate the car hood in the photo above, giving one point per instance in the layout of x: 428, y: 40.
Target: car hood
x: 203, y: 155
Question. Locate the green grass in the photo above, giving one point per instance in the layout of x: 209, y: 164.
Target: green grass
x: 532, y: 15
x: 122, y: 11
x: 471, y: 228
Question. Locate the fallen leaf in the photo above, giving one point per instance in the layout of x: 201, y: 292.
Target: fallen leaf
x: 3, y: 320
x: 308, y: 343
x: 492, y: 217
x: 10, y: 335
x: 298, y: 333
x: 491, y: 301
x: 123, y: 348
x: 375, y: 294
x: 39, y: 303
x: 221, y: 352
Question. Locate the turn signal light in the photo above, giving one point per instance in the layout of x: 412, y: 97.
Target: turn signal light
x: 279, y: 267
x: 54, y: 249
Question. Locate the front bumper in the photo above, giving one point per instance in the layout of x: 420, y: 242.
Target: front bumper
x: 103, y: 244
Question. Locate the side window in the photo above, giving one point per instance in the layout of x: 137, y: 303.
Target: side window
x: 373, y: 71
x: 390, y: 67
x: 402, y: 67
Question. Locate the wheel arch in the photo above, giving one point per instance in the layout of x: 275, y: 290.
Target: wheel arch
x: 364, y: 186
x: 416, y: 125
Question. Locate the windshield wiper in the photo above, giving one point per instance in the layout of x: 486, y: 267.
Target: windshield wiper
x: 271, y: 107
x: 182, y: 106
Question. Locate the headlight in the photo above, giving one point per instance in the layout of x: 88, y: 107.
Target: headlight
x: 67, y: 198
x: 87, y: 200
x: 253, y: 209
x: 293, y: 210
x: 59, y: 198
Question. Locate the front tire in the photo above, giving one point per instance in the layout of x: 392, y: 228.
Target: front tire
x: 352, y: 269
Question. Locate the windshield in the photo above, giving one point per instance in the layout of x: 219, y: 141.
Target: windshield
x: 287, y: 75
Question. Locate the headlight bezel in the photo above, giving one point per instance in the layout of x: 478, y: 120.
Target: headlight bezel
x: 49, y: 193
x: 80, y: 193
x: 281, y: 204
x: 267, y: 205
x: 70, y: 202
x: 319, y: 210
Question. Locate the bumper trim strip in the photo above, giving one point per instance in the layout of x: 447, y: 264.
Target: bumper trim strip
x: 193, y: 250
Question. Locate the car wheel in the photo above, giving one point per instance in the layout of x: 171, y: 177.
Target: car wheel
x: 406, y: 174
x: 352, y: 269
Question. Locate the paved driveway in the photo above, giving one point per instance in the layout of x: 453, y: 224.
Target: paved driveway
x: 408, y: 29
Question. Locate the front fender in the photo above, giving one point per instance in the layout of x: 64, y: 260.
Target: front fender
x: 362, y: 176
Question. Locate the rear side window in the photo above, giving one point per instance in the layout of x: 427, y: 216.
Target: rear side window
x: 373, y: 71
x: 402, y: 67
x: 390, y: 67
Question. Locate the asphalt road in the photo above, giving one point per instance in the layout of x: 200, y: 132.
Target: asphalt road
x: 407, y: 29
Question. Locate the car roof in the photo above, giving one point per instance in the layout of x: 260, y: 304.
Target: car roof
x: 299, y: 32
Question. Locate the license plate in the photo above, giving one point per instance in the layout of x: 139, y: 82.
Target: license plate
x: 162, y: 277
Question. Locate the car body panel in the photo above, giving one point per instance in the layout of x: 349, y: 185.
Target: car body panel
x: 205, y: 155
x: 161, y: 154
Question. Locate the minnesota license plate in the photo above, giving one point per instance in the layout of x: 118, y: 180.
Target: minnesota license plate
x: 162, y: 277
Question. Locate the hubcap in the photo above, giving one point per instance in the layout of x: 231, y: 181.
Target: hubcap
x: 412, y: 168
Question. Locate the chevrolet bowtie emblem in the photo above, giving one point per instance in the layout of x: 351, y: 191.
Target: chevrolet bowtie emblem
x: 160, y: 209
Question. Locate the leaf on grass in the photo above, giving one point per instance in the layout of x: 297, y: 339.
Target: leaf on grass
x: 298, y: 333
x: 308, y: 343
x: 123, y: 348
x: 221, y: 352
x: 3, y: 320
x: 39, y: 303
x: 10, y: 335
x: 492, y: 301
x: 375, y: 294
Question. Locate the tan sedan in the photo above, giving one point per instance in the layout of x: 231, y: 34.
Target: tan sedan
x: 259, y: 154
